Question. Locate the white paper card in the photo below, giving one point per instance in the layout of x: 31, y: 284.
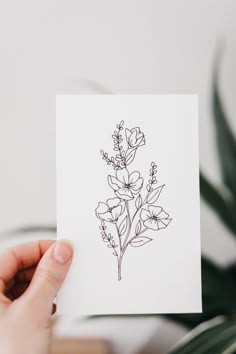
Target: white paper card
x: 128, y: 198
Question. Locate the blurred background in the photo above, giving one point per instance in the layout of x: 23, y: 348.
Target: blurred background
x: 126, y: 47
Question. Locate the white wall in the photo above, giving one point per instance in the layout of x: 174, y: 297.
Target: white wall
x: 129, y: 46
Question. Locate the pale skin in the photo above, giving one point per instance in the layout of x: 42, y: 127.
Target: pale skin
x: 30, y: 277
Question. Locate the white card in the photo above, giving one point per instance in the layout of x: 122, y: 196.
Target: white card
x: 128, y: 198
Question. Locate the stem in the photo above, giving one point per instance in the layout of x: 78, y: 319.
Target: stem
x: 104, y: 232
x: 119, y: 267
x: 109, y: 160
x: 120, y: 153
x: 119, y: 146
x: 120, y: 245
x: 129, y: 229
x: 143, y: 203
x: 119, y: 258
x: 132, y: 238
x: 141, y: 232
x: 136, y: 212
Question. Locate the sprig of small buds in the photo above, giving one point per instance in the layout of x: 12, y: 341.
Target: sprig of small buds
x: 108, y: 238
x: 152, y: 173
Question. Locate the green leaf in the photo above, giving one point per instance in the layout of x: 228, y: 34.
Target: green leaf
x: 225, y: 139
x: 218, y: 295
x: 217, y: 336
x: 224, y: 207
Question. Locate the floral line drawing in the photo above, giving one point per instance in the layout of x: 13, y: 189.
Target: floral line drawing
x: 128, y: 213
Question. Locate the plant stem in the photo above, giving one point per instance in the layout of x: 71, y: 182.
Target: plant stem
x: 141, y: 232
x: 129, y: 226
x: 119, y: 258
x: 136, y: 212
x: 110, y: 243
x: 142, y: 205
x: 119, y: 267
x: 132, y: 238
x: 120, y: 245
x: 126, y: 242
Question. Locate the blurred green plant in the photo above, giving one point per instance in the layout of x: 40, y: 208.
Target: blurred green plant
x: 218, y: 283
x: 214, y: 337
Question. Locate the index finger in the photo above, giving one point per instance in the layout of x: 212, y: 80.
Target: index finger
x: 21, y: 257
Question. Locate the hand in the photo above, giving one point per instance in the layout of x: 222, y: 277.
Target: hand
x: 30, y: 277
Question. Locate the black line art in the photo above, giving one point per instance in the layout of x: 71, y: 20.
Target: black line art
x: 128, y: 214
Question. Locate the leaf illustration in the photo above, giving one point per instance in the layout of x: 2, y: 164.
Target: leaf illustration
x: 138, y: 202
x: 140, y: 241
x: 130, y: 156
x: 154, y: 195
x: 123, y: 226
x: 138, y: 228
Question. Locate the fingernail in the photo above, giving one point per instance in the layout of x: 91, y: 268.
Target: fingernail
x: 62, y: 252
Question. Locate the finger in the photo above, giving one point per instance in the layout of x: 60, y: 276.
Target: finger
x: 48, y: 278
x: 20, y: 257
x: 17, y: 290
x: 26, y: 275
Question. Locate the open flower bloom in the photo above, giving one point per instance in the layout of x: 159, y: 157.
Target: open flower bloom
x: 125, y: 185
x: 134, y: 137
x: 111, y: 210
x: 155, y: 218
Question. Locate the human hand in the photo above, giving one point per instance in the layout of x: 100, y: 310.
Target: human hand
x: 30, y: 277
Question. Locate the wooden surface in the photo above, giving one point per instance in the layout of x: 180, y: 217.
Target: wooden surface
x: 79, y: 346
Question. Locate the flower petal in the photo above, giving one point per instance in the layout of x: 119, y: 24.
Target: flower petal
x: 155, y: 210
x: 143, y: 142
x: 122, y: 176
x: 163, y: 215
x: 106, y: 217
x: 151, y: 224
x: 113, y: 202
x: 133, y: 138
x: 139, y: 140
x: 135, y: 187
x: 101, y: 209
x: 163, y: 223
x: 124, y: 193
x: 114, y: 183
x: 144, y: 215
x: 134, y: 177
x: 136, y: 129
x: 127, y: 133
x: 116, y: 212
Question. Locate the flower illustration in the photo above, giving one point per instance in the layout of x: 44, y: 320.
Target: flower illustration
x: 134, y: 137
x: 155, y: 218
x: 111, y: 210
x: 125, y: 185
x: 125, y: 219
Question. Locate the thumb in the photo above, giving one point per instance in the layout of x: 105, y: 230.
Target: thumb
x: 48, y: 278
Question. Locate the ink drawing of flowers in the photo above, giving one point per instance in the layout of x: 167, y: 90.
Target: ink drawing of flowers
x: 133, y: 208
x: 124, y: 185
